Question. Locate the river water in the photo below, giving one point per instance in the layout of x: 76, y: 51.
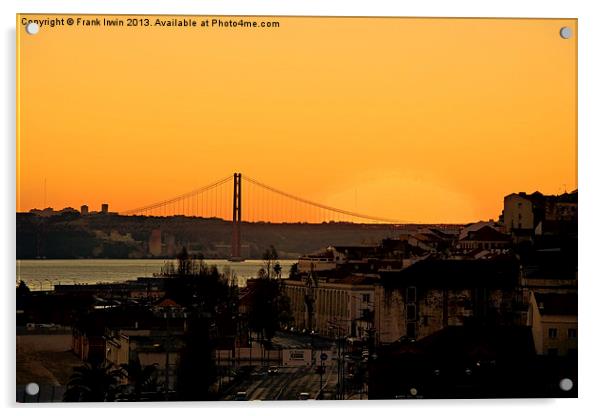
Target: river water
x: 43, y: 274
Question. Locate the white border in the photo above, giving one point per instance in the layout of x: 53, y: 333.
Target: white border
x: 590, y: 134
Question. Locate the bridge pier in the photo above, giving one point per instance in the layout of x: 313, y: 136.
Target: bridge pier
x: 236, y: 218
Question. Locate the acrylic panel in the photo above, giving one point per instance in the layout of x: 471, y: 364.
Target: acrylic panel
x: 295, y: 208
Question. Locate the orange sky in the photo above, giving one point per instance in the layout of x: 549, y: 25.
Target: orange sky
x: 426, y: 120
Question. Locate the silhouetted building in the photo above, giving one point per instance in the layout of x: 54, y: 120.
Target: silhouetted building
x: 319, y: 261
x: 470, y: 361
x: 433, y: 294
x: 148, y: 347
x: 550, y: 270
x: 485, y: 238
x: 84, y: 210
x: 533, y: 213
x: 431, y: 239
x: 104, y: 208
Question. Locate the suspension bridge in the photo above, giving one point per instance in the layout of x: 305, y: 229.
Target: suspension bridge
x: 225, y: 199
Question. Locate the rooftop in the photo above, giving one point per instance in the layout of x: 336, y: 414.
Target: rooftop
x: 557, y: 304
x: 502, y: 271
x: 485, y: 233
x: 538, y: 197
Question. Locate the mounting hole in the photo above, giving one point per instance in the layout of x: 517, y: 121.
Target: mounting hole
x: 566, y: 32
x: 566, y: 384
x: 32, y: 28
x: 32, y: 389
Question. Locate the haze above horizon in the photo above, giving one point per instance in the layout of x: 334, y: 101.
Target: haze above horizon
x: 428, y: 120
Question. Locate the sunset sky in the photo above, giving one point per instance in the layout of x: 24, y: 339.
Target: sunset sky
x: 423, y: 120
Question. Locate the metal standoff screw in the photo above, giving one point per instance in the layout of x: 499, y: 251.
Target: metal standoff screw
x: 32, y: 28
x: 565, y: 32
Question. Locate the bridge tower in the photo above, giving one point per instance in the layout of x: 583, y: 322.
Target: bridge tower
x: 236, y: 218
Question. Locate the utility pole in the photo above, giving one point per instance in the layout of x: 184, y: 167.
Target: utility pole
x: 321, y: 371
x: 371, y: 357
x: 167, y: 341
x: 340, y: 365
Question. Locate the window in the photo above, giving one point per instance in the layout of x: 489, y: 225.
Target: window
x: 552, y: 333
x: 411, y: 294
x: 572, y: 333
x: 553, y: 352
x: 411, y: 330
x: 411, y: 312
x: 366, y: 297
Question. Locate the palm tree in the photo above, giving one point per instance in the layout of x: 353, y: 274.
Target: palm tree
x: 140, y: 377
x: 93, y: 382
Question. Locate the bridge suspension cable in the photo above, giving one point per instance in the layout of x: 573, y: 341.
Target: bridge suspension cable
x: 261, y: 202
x: 322, y: 206
x: 177, y: 199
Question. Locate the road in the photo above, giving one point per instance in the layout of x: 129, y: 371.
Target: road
x: 286, y: 384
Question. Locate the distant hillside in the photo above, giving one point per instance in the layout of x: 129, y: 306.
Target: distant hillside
x: 71, y: 235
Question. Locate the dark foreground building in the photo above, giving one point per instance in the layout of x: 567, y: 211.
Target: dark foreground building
x: 471, y: 361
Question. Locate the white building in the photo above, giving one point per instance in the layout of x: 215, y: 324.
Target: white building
x: 338, y: 308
